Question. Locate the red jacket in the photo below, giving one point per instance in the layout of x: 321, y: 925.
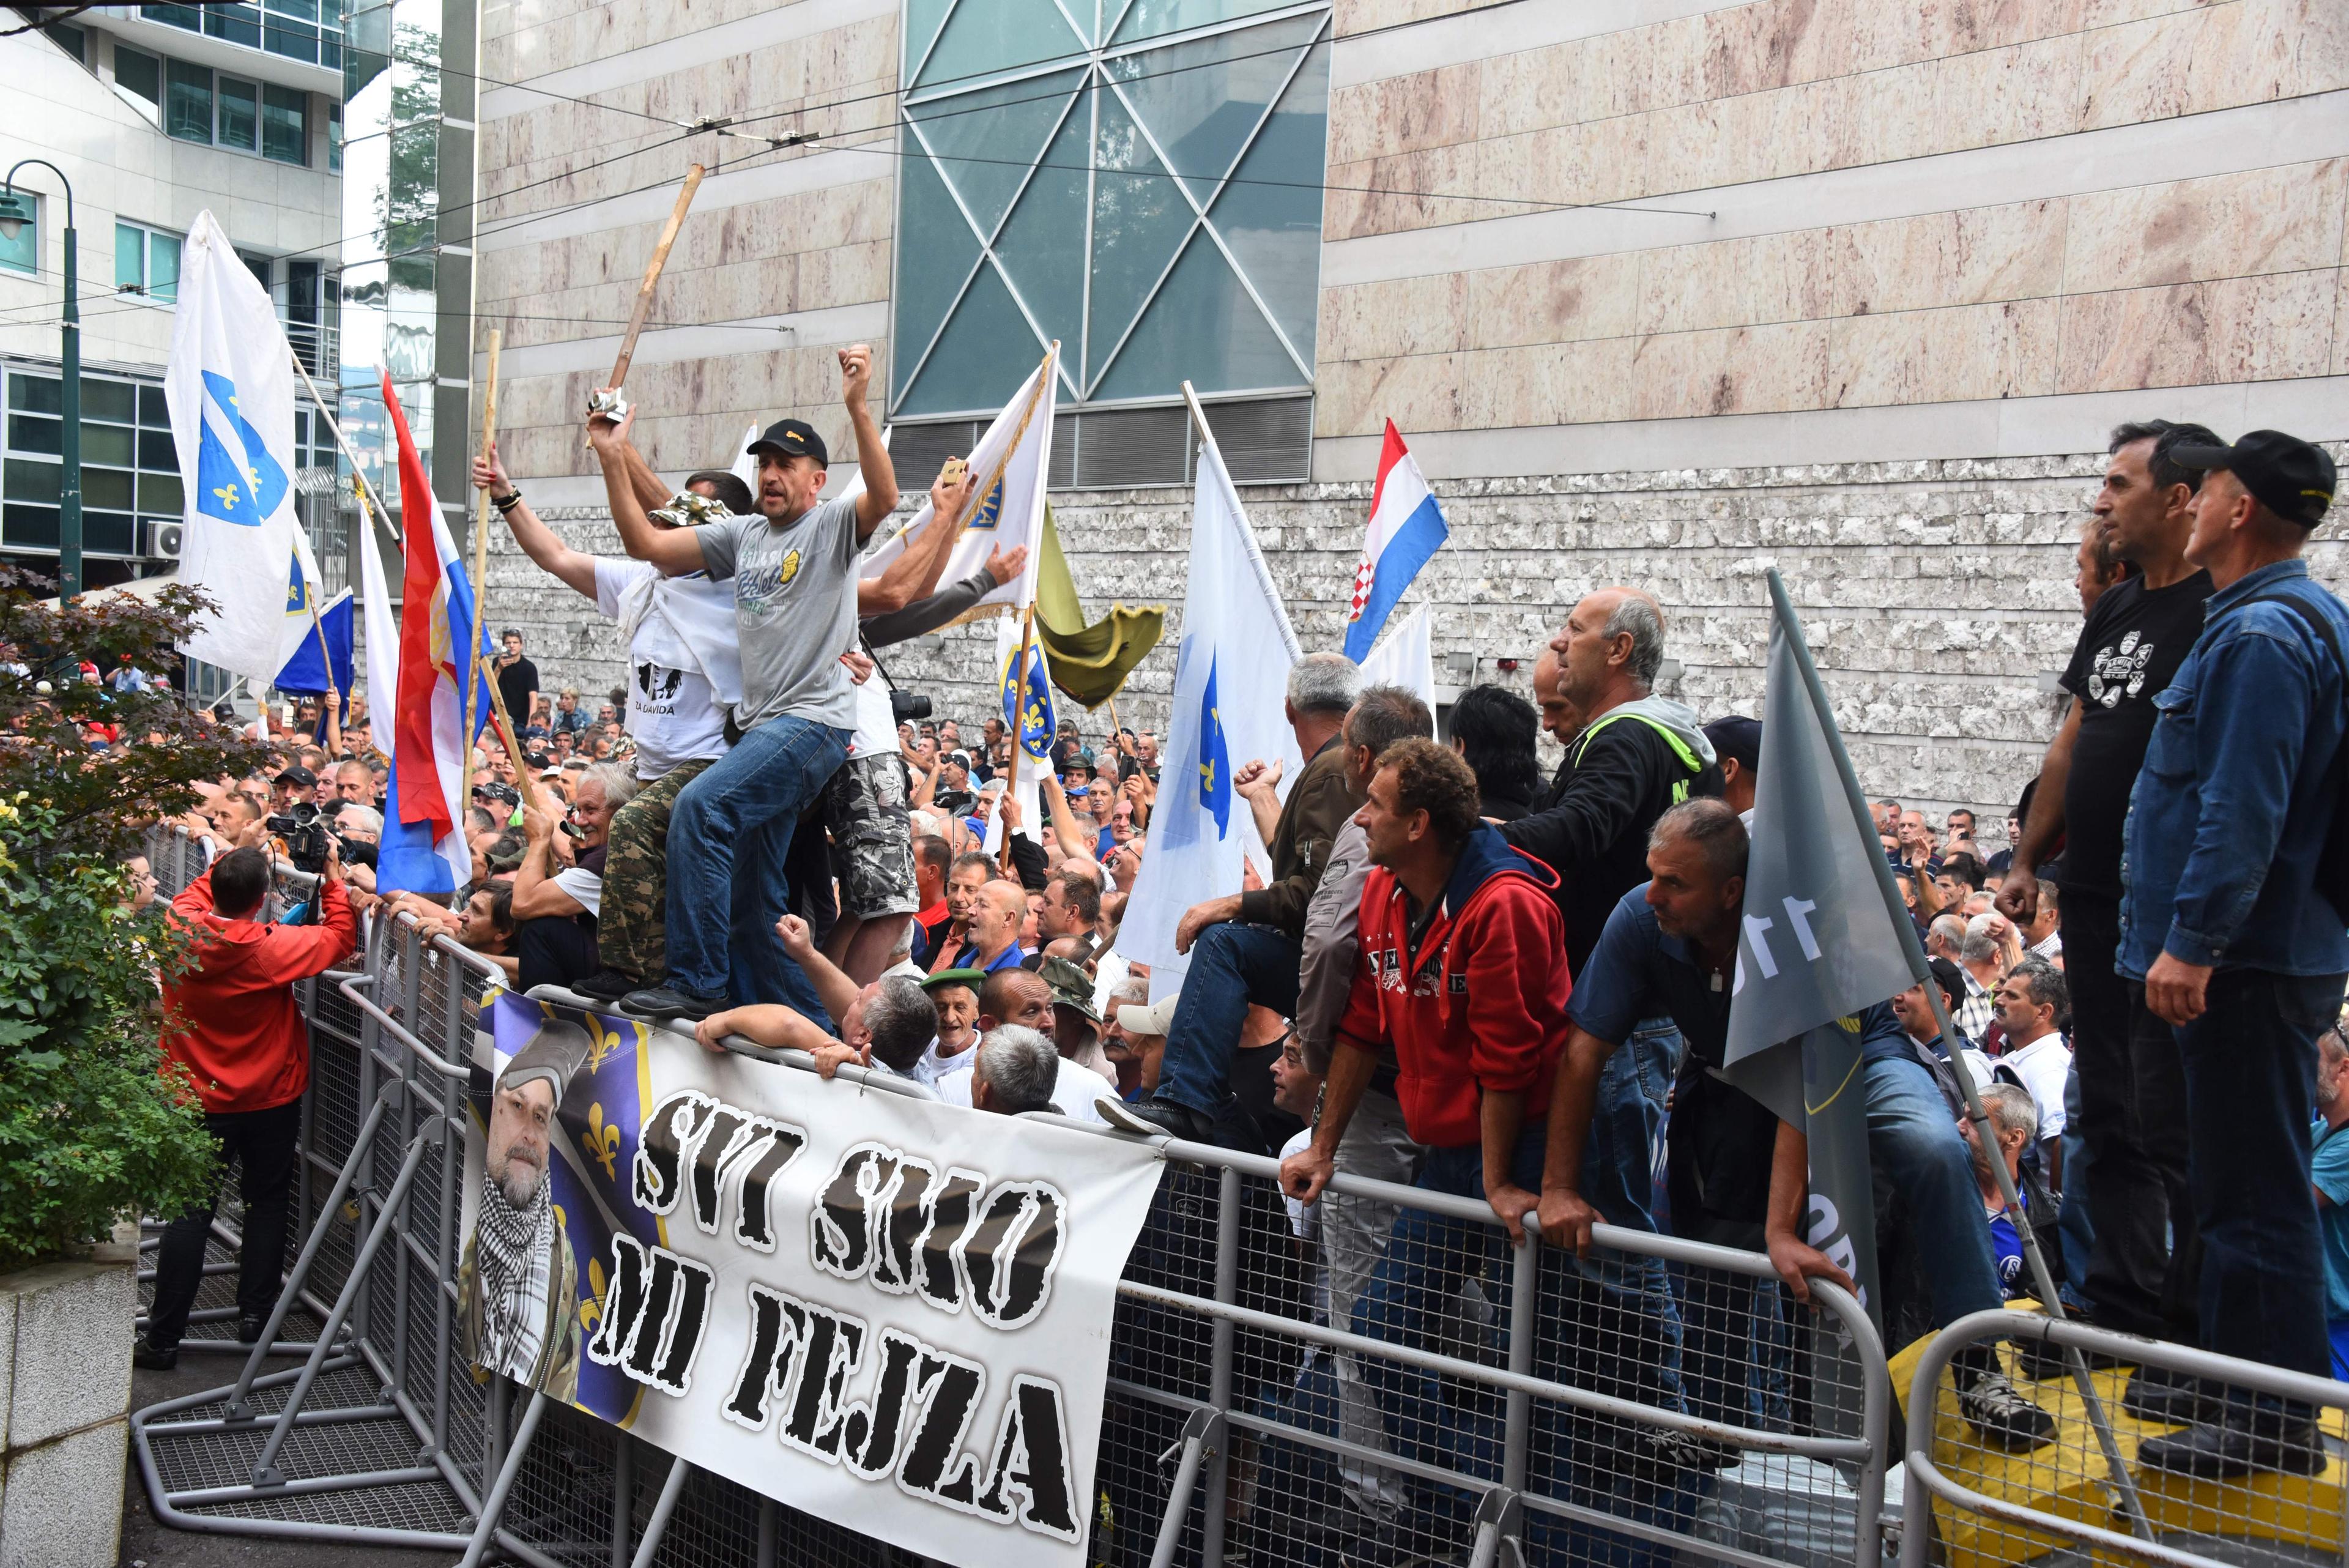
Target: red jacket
x: 1479, y: 1004
x: 244, y: 1043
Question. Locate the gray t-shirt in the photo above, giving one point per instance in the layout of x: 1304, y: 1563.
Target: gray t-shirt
x: 795, y: 610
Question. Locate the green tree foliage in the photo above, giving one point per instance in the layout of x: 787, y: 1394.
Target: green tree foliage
x: 92, y: 1127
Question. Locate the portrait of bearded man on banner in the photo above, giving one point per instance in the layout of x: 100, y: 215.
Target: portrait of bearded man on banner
x: 518, y: 1282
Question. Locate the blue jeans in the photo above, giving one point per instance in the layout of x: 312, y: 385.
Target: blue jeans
x: 1232, y: 966
x: 728, y: 839
x: 1912, y: 1138
x: 1429, y: 1257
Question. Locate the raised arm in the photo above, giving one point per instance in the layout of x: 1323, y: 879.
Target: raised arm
x: 931, y: 613
x: 676, y: 551
x: 538, y: 542
x: 915, y: 573
x: 650, y: 491
x: 880, y: 497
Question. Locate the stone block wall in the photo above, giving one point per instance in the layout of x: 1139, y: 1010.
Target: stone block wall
x: 1937, y: 595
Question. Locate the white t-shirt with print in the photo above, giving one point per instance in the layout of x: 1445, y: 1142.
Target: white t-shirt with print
x: 673, y: 712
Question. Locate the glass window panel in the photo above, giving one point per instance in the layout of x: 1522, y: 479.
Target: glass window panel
x: 1044, y: 266
x: 284, y: 124
x: 28, y: 481
x: 106, y: 487
x: 163, y: 267
x: 157, y: 449
x: 106, y: 445
x: 130, y: 256
x: 22, y: 254
x: 31, y: 432
x: 415, y: 179
x: 1203, y: 328
x: 295, y: 42
x: 985, y: 150
x: 1139, y: 220
x: 154, y: 408
x: 188, y: 16
x: 237, y: 23
x: 36, y: 394
x: 922, y: 19
x: 1270, y: 213
x: 108, y: 534
x: 30, y: 527
x: 985, y: 351
x: 984, y: 37
x: 933, y: 267
x: 160, y: 492
x: 72, y: 40
x: 330, y: 53
x: 136, y: 71
x: 334, y: 139
x: 1203, y: 100
x: 189, y: 114
x: 110, y: 400
x: 1155, y: 18
x: 240, y: 114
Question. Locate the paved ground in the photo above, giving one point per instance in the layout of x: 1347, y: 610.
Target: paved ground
x: 147, y: 1544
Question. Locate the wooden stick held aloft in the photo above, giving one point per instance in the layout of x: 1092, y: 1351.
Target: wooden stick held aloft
x: 644, y: 304
x: 481, y: 544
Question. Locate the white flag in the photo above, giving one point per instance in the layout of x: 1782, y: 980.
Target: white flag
x: 1405, y: 659
x: 229, y: 385
x: 1012, y: 463
x: 1231, y: 680
x: 1037, y: 720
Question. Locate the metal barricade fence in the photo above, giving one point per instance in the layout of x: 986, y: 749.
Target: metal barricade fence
x: 2057, y: 1504
x: 1276, y: 1393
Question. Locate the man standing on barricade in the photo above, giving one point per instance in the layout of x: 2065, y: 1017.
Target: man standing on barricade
x: 1670, y: 947
x: 1245, y: 947
x: 231, y: 1022
x: 2233, y: 858
x: 682, y: 672
x: 795, y: 609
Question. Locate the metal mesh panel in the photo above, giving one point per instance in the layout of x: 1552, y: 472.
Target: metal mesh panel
x: 562, y: 1500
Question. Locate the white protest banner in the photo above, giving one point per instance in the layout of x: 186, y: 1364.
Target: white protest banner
x: 879, y: 1309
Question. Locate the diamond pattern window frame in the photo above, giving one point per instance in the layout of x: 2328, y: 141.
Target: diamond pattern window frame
x: 1094, y: 58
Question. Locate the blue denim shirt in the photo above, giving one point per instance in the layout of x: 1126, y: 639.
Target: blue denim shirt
x: 2218, y: 855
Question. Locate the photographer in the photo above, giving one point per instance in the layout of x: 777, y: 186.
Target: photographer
x: 236, y: 1028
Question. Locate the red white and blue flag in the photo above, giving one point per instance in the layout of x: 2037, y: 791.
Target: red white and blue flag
x: 422, y: 667
x: 1406, y: 528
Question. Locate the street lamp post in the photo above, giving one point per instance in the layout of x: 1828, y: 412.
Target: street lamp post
x: 13, y: 214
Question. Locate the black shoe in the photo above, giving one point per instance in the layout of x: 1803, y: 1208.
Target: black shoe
x: 606, y: 985
x: 153, y: 1357
x: 1150, y: 1117
x: 2244, y: 1440
x: 668, y: 1001
x: 2169, y: 1399
x: 2002, y: 1416
x: 248, y: 1330
x: 1667, y: 1459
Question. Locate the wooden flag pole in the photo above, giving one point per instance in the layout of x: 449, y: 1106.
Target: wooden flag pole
x: 481, y: 545
x: 644, y: 304
x: 533, y: 794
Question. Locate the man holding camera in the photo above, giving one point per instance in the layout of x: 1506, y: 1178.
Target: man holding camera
x: 234, y: 1027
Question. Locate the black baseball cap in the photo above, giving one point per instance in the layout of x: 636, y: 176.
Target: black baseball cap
x: 1736, y: 736
x: 299, y: 777
x: 2289, y: 476
x: 792, y: 437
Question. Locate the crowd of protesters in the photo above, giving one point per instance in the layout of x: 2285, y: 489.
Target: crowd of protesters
x: 1455, y: 967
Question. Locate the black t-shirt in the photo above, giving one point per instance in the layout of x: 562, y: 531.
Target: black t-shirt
x: 2130, y: 647
x: 516, y: 681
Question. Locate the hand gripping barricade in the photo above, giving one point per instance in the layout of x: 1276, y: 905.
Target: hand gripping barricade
x: 1267, y: 1401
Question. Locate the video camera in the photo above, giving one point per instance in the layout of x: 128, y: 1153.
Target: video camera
x: 905, y: 707
x: 303, y: 828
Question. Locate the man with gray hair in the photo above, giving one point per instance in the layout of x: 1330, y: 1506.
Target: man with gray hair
x: 1246, y: 948
x: 1016, y: 1071
x: 901, y: 1022
x: 1636, y: 756
x: 2014, y: 1121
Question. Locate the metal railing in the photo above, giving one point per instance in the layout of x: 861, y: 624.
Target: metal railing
x: 1660, y: 1402
x: 1981, y: 1507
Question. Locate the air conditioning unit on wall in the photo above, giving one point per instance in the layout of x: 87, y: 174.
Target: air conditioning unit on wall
x: 163, y: 541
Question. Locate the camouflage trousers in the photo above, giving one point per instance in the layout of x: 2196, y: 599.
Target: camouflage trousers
x: 629, y: 935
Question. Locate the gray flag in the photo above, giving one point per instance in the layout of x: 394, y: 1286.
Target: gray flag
x: 1819, y: 947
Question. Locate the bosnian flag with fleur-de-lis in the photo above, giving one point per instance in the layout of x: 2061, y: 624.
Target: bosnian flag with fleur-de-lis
x: 230, y: 386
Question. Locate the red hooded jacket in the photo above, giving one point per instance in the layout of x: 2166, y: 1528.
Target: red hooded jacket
x: 245, y: 1043
x: 1479, y: 1003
